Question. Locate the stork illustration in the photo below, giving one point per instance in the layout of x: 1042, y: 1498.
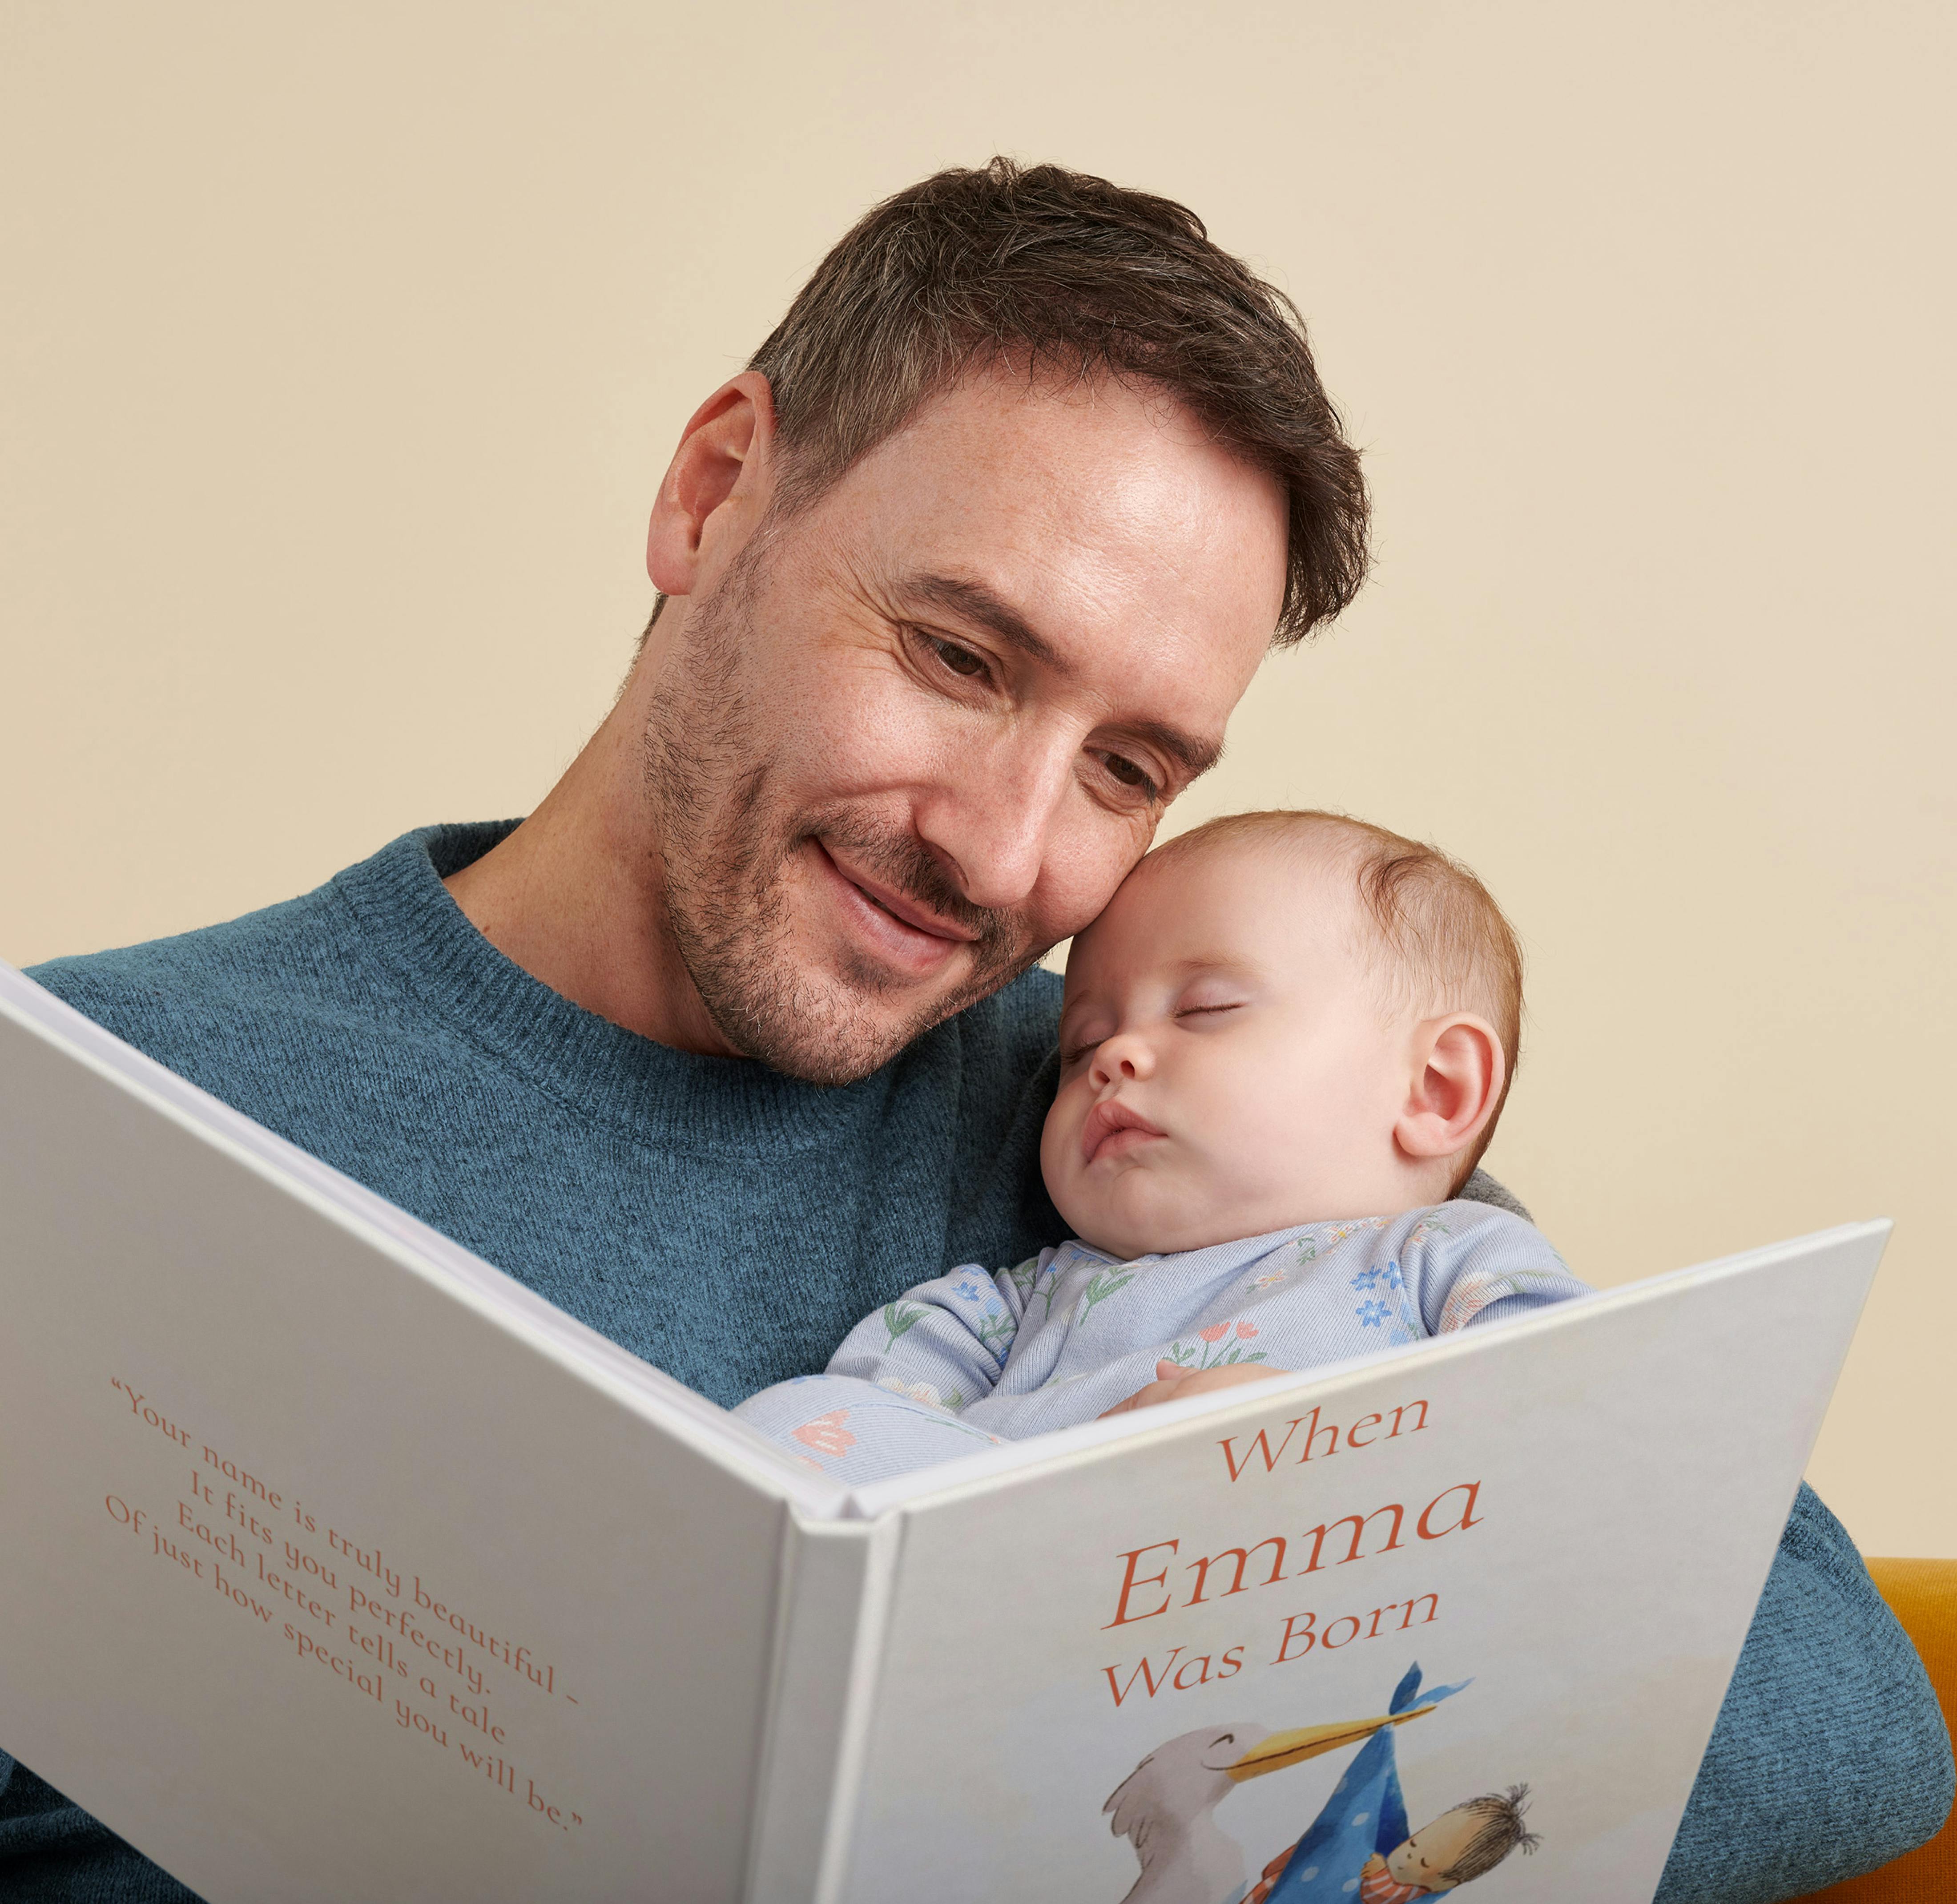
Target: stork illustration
x: 1165, y: 1808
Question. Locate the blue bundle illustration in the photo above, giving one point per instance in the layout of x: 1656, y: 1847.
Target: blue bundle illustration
x: 1358, y: 1850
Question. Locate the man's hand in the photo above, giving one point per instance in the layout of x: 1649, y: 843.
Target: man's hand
x: 1174, y: 1384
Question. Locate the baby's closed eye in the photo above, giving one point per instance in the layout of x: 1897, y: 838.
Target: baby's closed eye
x: 1208, y: 1011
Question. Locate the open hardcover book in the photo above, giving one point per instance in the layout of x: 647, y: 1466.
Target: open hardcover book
x: 338, y: 1566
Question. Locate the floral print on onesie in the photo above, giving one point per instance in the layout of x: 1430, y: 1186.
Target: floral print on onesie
x: 971, y: 1359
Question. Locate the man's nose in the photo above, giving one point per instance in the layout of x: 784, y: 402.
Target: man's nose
x: 993, y: 819
x: 1126, y: 1055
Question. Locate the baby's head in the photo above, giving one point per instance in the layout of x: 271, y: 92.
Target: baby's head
x: 1281, y: 1018
x: 1464, y: 1844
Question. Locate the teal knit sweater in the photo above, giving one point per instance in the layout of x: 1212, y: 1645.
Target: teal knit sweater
x: 369, y: 1023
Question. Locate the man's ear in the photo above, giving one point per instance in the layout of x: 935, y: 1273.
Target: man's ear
x: 719, y: 482
x: 1458, y: 1069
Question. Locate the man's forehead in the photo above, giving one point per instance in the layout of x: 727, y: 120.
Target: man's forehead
x: 1083, y: 505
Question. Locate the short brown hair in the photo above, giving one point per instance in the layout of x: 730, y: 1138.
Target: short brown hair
x: 1072, y: 277
x: 1445, y: 941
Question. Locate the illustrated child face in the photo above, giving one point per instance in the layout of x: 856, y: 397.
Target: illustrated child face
x: 1432, y: 1852
x: 1232, y: 1064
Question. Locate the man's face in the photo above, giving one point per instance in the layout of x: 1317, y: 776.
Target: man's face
x: 908, y: 737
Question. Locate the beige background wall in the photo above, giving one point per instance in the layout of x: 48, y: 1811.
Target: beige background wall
x: 345, y: 345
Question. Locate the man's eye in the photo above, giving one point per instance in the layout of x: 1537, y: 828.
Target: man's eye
x: 959, y: 660
x: 1129, y: 774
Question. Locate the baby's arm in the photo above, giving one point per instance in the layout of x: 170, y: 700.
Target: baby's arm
x: 888, y: 1403
x: 1472, y: 1264
x: 944, y: 1342
x: 1428, y: 1273
x: 1175, y: 1384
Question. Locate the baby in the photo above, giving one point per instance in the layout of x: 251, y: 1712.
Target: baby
x: 1458, y: 1847
x: 1283, y: 1047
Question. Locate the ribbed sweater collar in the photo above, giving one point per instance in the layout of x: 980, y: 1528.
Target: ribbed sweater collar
x: 646, y: 1092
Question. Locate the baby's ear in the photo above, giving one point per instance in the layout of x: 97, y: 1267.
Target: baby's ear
x: 1458, y: 1070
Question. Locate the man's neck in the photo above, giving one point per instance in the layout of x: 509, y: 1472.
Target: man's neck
x: 576, y: 896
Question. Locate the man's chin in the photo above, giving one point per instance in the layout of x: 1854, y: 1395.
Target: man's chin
x: 812, y: 1063
x: 823, y: 1032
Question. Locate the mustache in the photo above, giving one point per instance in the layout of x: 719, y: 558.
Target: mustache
x: 898, y: 859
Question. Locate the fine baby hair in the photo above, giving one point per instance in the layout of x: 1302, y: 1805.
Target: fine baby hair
x: 1436, y: 937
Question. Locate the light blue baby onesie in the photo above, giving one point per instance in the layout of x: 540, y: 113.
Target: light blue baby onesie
x: 971, y: 1359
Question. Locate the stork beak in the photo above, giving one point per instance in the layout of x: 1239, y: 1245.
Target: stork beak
x: 1282, y: 1749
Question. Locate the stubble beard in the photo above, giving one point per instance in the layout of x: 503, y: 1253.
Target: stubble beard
x: 726, y: 843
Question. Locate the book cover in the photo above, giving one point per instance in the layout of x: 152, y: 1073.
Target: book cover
x: 340, y: 1566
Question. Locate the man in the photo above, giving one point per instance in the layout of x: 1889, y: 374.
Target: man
x: 735, y: 1035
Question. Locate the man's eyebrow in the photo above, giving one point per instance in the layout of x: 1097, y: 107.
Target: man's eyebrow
x: 1194, y: 756
x: 976, y: 602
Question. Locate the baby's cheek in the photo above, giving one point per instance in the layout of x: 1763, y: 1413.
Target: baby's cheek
x: 1063, y: 1124
x: 1235, y: 1133
x: 1059, y: 1156
x: 1276, y: 1120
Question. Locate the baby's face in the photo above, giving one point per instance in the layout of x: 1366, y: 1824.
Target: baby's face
x: 1227, y: 1068
x: 1433, y: 1850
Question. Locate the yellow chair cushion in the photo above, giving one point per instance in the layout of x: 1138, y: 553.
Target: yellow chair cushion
x: 1923, y: 1594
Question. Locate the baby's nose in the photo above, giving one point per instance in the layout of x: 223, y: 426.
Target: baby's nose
x: 1121, y: 1057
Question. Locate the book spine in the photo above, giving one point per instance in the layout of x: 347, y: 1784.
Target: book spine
x: 835, y: 1581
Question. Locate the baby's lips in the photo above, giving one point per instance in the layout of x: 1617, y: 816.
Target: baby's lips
x: 1107, y: 1119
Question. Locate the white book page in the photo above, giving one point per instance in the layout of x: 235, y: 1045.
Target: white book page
x: 337, y: 1565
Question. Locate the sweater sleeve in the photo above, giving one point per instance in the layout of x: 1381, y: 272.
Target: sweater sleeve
x: 1830, y: 1756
